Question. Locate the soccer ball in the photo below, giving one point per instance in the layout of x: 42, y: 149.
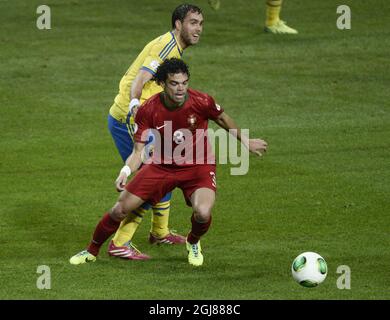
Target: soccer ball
x: 309, y: 269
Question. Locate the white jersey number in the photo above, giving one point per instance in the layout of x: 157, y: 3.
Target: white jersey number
x: 178, y: 137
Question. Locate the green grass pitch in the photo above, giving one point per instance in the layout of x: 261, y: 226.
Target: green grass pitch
x: 320, y: 98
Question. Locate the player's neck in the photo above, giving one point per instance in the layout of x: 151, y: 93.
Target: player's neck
x: 169, y: 103
x: 181, y: 42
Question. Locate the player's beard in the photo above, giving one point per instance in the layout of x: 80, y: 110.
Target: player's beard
x: 187, y: 38
x: 177, y: 100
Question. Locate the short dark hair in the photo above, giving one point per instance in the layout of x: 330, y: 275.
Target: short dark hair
x: 170, y: 66
x: 181, y: 12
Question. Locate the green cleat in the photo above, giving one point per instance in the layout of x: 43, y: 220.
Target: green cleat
x: 214, y: 4
x: 195, y: 256
x: 82, y: 257
x: 280, y: 28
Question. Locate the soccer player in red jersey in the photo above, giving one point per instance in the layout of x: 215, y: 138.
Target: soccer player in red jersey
x: 182, y: 157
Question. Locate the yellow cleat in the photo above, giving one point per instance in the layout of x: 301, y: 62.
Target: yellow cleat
x: 215, y: 4
x: 195, y: 256
x: 280, y: 28
x: 82, y: 257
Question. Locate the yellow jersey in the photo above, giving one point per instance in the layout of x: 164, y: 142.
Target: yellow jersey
x: 155, y: 52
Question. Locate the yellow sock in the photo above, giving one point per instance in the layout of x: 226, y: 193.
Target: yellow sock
x: 160, y: 219
x: 128, y: 227
x: 273, y: 12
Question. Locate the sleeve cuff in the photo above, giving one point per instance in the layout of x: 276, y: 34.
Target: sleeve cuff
x: 149, y: 70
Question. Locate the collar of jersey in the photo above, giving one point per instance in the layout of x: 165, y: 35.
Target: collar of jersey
x: 170, y: 106
x: 178, y: 44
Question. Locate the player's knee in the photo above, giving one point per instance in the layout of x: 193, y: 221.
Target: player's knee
x: 202, y: 212
x: 118, y: 212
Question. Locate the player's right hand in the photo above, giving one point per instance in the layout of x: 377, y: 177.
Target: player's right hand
x: 120, y: 182
x: 258, y: 146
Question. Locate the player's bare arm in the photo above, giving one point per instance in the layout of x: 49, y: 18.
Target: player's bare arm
x: 142, y: 77
x: 256, y: 146
x: 132, y: 164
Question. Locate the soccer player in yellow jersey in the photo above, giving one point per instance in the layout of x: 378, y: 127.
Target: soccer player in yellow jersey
x: 135, y: 87
x: 273, y: 23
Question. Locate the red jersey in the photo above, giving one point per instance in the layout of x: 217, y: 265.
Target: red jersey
x: 180, y: 135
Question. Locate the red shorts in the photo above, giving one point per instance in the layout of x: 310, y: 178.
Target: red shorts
x: 152, y: 182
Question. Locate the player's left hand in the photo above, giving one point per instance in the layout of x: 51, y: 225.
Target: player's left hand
x: 258, y: 146
x: 134, y: 111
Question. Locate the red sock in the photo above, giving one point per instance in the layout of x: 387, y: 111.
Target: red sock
x: 198, y: 230
x: 105, y: 228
